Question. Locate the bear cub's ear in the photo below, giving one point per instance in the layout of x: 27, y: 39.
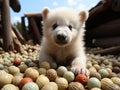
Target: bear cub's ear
x: 45, y: 13
x: 83, y: 16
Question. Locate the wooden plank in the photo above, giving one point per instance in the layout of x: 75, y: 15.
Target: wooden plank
x: 109, y: 29
x: 32, y: 14
x: 107, y: 42
x: 6, y: 23
x: 108, y: 51
x: 18, y: 34
x: 35, y: 30
x: 15, y: 5
x: 24, y: 31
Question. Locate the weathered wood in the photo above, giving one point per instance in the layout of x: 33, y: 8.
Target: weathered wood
x: 24, y: 31
x: 103, y: 5
x: 17, y: 45
x: 103, y: 27
x: 18, y: 34
x: 107, y: 42
x: 97, y: 9
x: 0, y: 26
x: 116, y: 5
x: 101, y: 14
x: 10, y: 40
x: 106, y: 30
x: 35, y: 29
x: 111, y: 50
x: 30, y: 14
x: 109, y: 29
x: 7, y: 35
x: 15, y: 5
x: 34, y: 26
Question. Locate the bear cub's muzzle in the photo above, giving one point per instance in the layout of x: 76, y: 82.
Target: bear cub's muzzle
x: 61, y: 39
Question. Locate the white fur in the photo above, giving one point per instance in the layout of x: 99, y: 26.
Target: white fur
x: 73, y: 50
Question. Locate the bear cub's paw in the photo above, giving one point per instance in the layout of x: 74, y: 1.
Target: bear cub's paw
x: 78, y: 69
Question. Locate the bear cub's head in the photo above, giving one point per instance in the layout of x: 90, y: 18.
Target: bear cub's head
x: 62, y: 26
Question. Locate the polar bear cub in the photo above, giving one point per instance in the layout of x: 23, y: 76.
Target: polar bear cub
x: 63, y: 38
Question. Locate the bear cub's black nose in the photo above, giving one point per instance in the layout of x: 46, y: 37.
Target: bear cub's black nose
x: 61, y: 37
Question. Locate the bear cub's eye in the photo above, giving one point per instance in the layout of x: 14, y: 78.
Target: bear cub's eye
x: 55, y: 26
x: 70, y: 27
